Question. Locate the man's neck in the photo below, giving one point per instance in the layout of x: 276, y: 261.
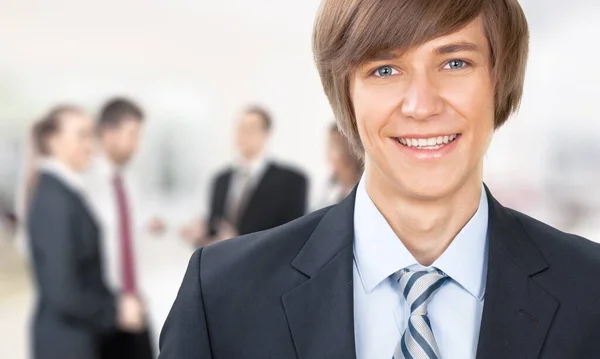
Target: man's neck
x: 112, y: 163
x: 249, y: 159
x: 425, y: 227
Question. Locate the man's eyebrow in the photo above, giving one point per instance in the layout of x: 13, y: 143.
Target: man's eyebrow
x: 457, y: 47
x: 442, y: 50
x: 384, y: 56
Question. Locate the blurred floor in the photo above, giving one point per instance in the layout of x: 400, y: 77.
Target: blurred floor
x: 163, y: 260
x: 16, y: 296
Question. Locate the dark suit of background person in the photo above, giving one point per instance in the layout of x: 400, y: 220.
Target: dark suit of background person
x: 279, y: 196
x: 287, y: 293
x: 255, y: 193
x: 74, y: 307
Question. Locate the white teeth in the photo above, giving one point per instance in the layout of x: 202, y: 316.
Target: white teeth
x: 432, y: 143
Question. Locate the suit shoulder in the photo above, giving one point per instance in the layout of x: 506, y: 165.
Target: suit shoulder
x: 51, y: 204
x: 290, y: 172
x: 251, y: 254
x: 51, y: 191
x: 561, y: 248
x: 223, y: 174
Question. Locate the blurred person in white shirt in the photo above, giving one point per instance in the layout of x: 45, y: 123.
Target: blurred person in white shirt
x: 118, y: 204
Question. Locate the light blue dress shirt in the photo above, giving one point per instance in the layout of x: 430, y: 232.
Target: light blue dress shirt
x: 380, y: 311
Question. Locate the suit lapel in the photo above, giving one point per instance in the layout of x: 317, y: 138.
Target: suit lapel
x: 320, y: 311
x: 260, y: 190
x: 223, y: 192
x: 517, y: 311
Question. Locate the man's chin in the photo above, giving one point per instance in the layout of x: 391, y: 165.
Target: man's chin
x: 427, y: 190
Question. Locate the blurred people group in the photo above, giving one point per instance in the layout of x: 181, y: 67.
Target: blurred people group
x: 81, y: 236
x: 83, y: 219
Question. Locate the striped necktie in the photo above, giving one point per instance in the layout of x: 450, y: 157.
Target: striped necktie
x: 242, y: 182
x: 418, y: 288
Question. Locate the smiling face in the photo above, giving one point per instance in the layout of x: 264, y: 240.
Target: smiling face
x: 122, y: 140
x: 425, y: 116
x: 73, y: 141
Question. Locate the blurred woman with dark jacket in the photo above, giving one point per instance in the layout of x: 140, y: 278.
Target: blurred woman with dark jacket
x: 75, y: 310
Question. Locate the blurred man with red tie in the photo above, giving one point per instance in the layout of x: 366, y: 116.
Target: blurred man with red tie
x: 115, y: 200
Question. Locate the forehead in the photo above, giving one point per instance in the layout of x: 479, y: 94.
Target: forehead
x: 131, y: 122
x: 127, y: 124
x: 471, y: 38
x: 251, y: 119
x: 70, y: 121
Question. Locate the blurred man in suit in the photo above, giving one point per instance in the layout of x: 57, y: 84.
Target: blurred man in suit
x: 401, y: 268
x: 75, y: 307
x: 255, y: 193
x: 116, y: 200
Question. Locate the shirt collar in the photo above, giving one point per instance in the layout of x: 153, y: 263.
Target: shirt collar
x: 68, y: 176
x: 255, y: 167
x: 105, y: 166
x: 378, y: 252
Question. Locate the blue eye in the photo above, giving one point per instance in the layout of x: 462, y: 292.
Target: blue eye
x: 385, y: 71
x: 455, y: 64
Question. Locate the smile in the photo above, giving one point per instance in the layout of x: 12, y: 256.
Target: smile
x: 431, y: 143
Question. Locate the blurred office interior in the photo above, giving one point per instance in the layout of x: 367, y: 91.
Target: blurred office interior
x: 192, y: 65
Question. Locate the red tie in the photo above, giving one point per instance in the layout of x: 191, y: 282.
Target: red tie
x: 127, y: 263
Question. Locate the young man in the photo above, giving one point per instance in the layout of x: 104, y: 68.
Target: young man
x: 420, y: 261
x: 118, y: 205
x: 255, y: 193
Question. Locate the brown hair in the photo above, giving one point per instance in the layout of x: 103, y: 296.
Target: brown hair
x: 263, y: 113
x: 349, y: 32
x: 117, y: 110
x: 48, y: 126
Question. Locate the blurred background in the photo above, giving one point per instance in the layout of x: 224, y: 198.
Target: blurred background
x: 194, y: 65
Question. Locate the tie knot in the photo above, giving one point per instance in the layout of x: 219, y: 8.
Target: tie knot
x: 243, y: 173
x: 419, y: 287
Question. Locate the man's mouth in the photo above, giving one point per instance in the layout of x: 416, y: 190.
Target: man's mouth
x: 430, y: 143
